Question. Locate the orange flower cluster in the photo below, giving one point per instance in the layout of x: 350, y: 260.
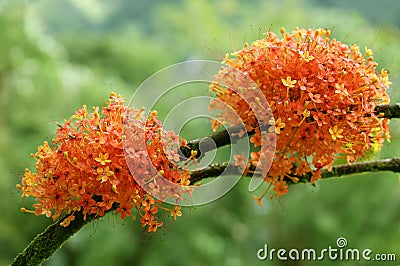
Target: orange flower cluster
x: 86, y: 167
x: 322, y: 94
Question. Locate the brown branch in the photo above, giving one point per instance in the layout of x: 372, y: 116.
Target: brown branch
x: 214, y: 141
x: 221, y: 138
x: 389, y: 110
x: 392, y: 165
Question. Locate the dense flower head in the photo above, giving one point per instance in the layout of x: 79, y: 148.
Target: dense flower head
x: 322, y: 94
x: 85, y: 168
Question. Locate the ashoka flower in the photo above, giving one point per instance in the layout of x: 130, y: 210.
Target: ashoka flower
x: 322, y: 94
x: 85, y: 168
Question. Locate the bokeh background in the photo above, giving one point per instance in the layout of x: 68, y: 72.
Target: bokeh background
x: 56, y: 56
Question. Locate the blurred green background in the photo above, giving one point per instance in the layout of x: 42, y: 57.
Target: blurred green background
x: 56, y: 56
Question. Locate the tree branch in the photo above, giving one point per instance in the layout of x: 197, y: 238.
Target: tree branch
x: 51, y: 239
x: 392, y: 165
x: 221, y: 138
x: 214, y: 141
x: 389, y: 110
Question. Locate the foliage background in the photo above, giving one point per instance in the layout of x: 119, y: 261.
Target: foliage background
x: 58, y: 55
